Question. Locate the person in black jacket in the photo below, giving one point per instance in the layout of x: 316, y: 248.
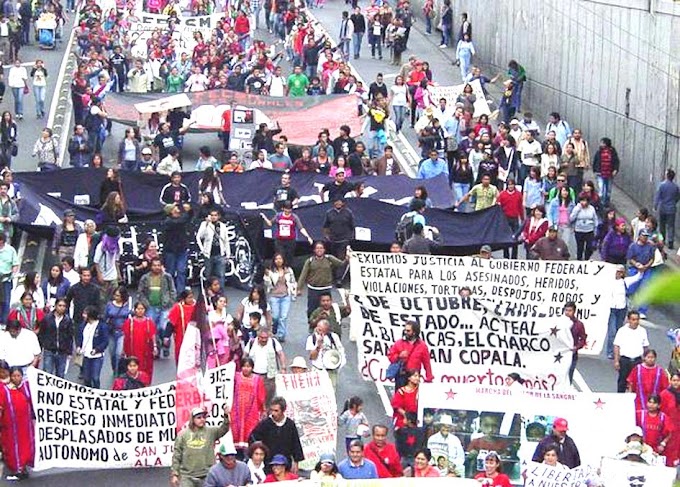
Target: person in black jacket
x: 567, y: 451
x: 264, y: 138
x: 176, y: 243
x: 82, y: 294
x: 56, y: 339
x: 281, y: 440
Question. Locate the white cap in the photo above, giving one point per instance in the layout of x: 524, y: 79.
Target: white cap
x: 299, y: 362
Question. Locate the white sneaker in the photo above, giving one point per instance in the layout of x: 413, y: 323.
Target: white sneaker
x: 643, y: 316
x: 443, y: 46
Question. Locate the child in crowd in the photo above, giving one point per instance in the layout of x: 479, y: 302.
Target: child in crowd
x: 354, y: 419
x: 409, y: 439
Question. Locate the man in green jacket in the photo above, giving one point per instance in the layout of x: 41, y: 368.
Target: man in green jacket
x: 195, y: 450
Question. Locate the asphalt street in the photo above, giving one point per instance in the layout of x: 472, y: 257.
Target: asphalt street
x: 598, y: 372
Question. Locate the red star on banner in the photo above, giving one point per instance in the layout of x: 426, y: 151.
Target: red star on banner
x: 599, y: 404
x: 450, y: 394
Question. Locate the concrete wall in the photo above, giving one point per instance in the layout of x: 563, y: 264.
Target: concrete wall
x: 582, y: 57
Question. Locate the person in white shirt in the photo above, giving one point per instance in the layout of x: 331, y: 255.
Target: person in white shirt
x: 560, y: 127
x: 19, y: 347
x: 630, y: 345
x: 17, y: 80
x: 530, y: 154
x: 213, y: 242
x: 445, y: 443
x: 260, y: 161
x: 268, y: 359
x: 276, y: 84
x: 197, y: 81
x: 68, y: 268
x: 326, y: 351
x: 619, y: 305
x: 170, y: 163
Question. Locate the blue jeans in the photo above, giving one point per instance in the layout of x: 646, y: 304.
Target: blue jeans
x: 54, y: 363
x: 344, y: 48
x: 605, y: 187
x: 215, y: 266
x: 399, y: 116
x: 116, y: 340
x: 280, y: 306
x: 18, y: 94
x: 446, y: 34
x: 460, y: 190
x: 377, y: 148
x: 39, y: 93
x: 428, y: 24
x: 357, y: 37
x: 256, y: 14
x: 160, y: 318
x: 92, y: 370
x: 376, y: 43
x: 5, y: 305
x: 616, y: 319
x: 176, y: 266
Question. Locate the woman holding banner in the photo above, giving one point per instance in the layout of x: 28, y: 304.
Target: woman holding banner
x: 492, y: 475
x: 139, y: 339
x: 179, y: 317
x: 248, y: 405
x: 16, y: 424
x: 133, y: 378
x: 218, y: 340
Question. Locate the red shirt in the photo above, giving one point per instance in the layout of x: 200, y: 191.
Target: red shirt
x: 511, y: 203
x: 387, y: 460
x: 418, y: 356
x: 654, y: 428
x: 226, y: 121
x: 270, y: 478
x: 501, y: 479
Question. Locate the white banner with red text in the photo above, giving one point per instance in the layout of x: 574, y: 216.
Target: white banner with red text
x: 81, y: 427
x: 310, y: 402
x: 511, y: 421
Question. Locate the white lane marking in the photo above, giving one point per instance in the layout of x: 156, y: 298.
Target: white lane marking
x: 581, y: 382
x: 382, y: 393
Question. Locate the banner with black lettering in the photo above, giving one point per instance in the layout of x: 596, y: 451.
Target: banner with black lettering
x: 513, y: 321
x: 310, y: 399
x: 624, y: 473
x: 511, y: 421
x: 81, y: 427
x: 541, y: 474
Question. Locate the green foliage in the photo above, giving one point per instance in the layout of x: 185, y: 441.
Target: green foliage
x: 662, y: 289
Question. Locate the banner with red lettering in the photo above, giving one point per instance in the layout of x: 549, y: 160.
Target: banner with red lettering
x: 80, y: 427
x: 511, y: 421
x: 310, y: 399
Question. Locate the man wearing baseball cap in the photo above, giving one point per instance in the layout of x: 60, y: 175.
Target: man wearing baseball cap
x: 551, y: 247
x: 194, y: 451
x: 567, y: 451
x: 228, y: 471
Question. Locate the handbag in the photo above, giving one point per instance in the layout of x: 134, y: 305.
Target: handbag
x: 78, y: 359
x: 14, y: 149
x: 26, y: 90
x: 393, y: 370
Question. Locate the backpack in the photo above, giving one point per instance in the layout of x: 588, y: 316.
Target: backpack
x: 404, y: 229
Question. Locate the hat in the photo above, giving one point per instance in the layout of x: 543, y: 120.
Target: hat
x: 196, y: 411
x: 553, y: 228
x: 327, y: 458
x: 645, y: 233
x: 636, y: 430
x: 226, y: 449
x: 620, y: 221
x: 146, y: 150
x: 69, y: 212
x: 299, y: 362
x: 514, y: 121
x: 632, y: 448
x: 168, y: 208
x: 278, y: 460
x: 485, y: 248
x: 445, y: 420
x: 560, y: 424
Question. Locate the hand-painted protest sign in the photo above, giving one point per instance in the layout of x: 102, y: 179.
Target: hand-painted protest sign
x: 511, y: 421
x: 518, y: 290
x: 451, y: 94
x: 311, y: 404
x: 80, y: 427
x: 624, y: 473
x: 395, y: 482
x: 540, y: 474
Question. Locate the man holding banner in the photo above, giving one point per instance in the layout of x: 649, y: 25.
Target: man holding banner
x: 195, y: 449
